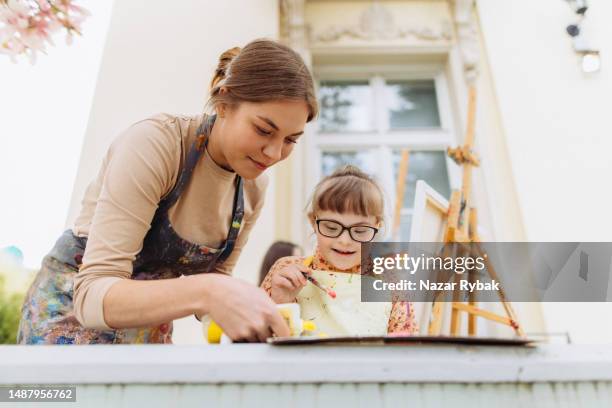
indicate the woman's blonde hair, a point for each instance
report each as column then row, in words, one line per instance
column 264, row 70
column 348, row 190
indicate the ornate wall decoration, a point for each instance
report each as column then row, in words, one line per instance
column 377, row 23
column 293, row 29
column 467, row 36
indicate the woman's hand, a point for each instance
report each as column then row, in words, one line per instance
column 244, row 312
column 288, row 282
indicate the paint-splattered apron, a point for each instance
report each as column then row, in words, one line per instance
column 47, row 312
column 346, row 315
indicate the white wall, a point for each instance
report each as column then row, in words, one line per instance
column 558, row 129
column 43, row 115
column 160, row 58
column 557, row 119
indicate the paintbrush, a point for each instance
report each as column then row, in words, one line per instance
column 307, row 262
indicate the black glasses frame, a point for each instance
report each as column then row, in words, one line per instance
column 345, row 228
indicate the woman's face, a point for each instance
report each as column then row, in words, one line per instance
column 342, row 252
column 255, row 136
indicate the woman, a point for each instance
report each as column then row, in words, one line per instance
column 176, row 195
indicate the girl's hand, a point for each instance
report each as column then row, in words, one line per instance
column 243, row 311
column 287, row 283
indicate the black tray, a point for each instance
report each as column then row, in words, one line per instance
column 400, row 340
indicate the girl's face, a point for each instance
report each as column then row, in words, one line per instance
column 255, row 136
column 342, row 252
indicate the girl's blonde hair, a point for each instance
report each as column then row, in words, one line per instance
column 348, row 190
column 264, row 70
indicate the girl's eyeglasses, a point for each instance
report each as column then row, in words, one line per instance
column 333, row 229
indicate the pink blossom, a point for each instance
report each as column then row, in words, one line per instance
column 27, row 26
column 43, row 5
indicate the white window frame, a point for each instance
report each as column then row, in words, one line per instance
column 381, row 138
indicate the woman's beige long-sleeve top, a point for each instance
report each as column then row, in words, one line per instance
column 139, row 169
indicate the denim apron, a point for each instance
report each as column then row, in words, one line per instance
column 47, row 315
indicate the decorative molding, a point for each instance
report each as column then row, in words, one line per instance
column 293, row 30
column 290, row 180
column 377, row 23
column 467, row 37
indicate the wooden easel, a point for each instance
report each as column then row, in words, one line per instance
column 461, row 227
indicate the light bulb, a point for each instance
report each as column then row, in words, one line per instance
column 591, row 62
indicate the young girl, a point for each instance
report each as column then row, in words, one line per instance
column 346, row 210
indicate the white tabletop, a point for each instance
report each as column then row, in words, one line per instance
column 260, row 363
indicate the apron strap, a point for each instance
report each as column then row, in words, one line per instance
column 193, row 156
column 237, row 216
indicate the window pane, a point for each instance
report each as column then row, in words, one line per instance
column 345, row 106
column 332, row 160
column 423, row 165
column 412, row 104
column 405, row 225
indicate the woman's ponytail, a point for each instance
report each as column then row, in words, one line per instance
column 222, row 71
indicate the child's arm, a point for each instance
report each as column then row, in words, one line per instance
column 401, row 319
column 285, row 279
